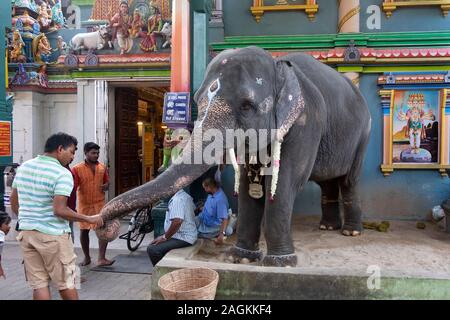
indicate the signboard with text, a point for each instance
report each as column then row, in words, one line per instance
column 176, row 108
column 5, row 138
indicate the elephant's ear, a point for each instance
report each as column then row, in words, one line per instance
column 290, row 102
column 288, row 107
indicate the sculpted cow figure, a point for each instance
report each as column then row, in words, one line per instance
column 95, row 40
column 166, row 31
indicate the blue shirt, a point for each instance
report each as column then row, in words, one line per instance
column 181, row 206
column 215, row 209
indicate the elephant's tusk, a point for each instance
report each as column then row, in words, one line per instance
column 236, row 170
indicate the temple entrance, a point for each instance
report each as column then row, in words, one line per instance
column 138, row 136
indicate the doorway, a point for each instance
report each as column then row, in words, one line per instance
column 139, row 134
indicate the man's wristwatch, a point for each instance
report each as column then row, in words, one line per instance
column 224, row 233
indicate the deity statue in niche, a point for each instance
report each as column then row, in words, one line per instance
column 415, row 116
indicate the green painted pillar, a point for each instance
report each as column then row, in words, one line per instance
column 5, row 107
column 200, row 14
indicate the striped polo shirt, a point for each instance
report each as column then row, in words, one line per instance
column 37, row 182
column 182, row 206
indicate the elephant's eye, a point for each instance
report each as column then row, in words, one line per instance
column 247, row 105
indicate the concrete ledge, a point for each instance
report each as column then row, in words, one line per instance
column 414, row 264
column 238, row 281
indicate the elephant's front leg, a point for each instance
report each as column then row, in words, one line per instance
column 277, row 227
column 294, row 173
column 249, row 223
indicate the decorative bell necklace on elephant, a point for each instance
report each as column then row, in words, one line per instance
column 255, row 188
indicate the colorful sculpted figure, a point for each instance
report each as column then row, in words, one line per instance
column 137, row 25
column 169, row 150
column 23, row 4
column 61, row 45
column 44, row 17
column 26, row 23
column 57, row 15
column 42, row 50
column 122, row 22
column 21, row 77
column 17, row 52
column 415, row 117
column 166, row 31
column 42, row 76
column 154, row 26
column 168, row 144
column 30, row 4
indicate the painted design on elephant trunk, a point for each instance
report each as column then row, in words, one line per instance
column 212, row 92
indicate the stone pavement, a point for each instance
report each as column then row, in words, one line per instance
column 98, row 285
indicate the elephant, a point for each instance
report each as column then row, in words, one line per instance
column 323, row 127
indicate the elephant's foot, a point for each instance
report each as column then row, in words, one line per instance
column 349, row 233
column 330, row 225
column 352, row 229
column 289, row 260
column 239, row 255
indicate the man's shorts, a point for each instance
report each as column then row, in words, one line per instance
column 47, row 257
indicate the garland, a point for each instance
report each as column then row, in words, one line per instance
column 236, row 170
column 276, row 167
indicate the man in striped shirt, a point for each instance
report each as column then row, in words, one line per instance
column 179, row 226
column 39, row 195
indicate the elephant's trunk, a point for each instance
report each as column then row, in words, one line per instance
column 176, row 177
column 180, row 174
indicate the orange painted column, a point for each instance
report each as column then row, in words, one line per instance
column 180, row 76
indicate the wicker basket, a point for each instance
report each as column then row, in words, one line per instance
column 189, row 284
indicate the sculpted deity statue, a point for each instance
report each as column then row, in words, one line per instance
column 122, row 23
column 26, row 23
column 42, row 50
column 44, row 17
column 136, row 26
column 17, row 52
column 61, row 45
column 154, row 26
column 57, row 15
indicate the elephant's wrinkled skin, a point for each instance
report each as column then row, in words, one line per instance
column 325, row 126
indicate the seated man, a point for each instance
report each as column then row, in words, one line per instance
column 212, row 221
column 179, row 227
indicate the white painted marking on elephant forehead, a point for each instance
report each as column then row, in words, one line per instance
column 259, row 81
column 266, row 105
column 211, row 95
